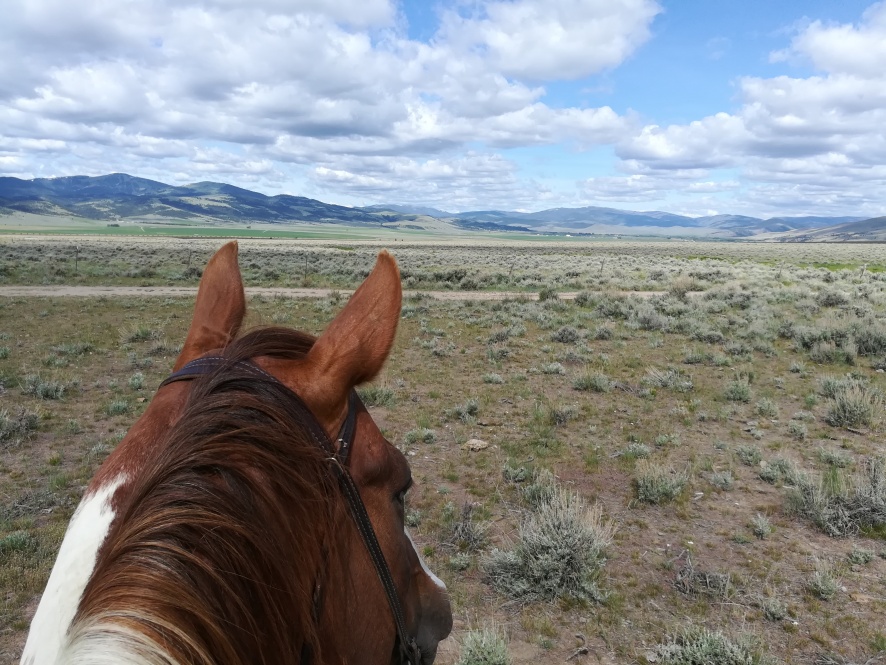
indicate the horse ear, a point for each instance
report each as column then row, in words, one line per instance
column 354, row 347
column 220, row 307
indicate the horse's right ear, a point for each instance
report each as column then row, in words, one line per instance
column 354, row 346
column 220, row 307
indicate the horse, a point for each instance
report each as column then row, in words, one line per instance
column 255, row 512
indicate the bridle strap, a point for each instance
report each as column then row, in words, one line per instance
column 201, row 367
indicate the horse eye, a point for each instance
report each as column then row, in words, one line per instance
column 401, row 496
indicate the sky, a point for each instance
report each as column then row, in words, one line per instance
column 696, row 107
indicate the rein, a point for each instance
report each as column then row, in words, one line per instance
column 408, row 649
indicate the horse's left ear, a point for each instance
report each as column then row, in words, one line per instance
column 220, row 307
column 354, row 347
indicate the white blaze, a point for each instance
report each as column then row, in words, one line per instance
column 72, row 570
column 436, row 580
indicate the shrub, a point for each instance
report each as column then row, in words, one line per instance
column 422, row 434
column 828, row 298
column 603, row 332
column 797, row 430
column 855, row 406
column 14, row 429
column 34, row 385
column 4, row 352
column 584, row 299
column 117, row 408
column 700, row 646
column 773, row 609
column 466, row 535
column 464, row 412
column 548, row 293
column 73, row 349
column 767, row 408
column 738, row 391
column 515, row 474
column 17, row 541
column 696, row 357
column 560, row 553
column 831, row 386
column 541, row 490
column 565, row 335
column 779, row 470
column 484, row 647
column 721, row 479
column 760, row 526
column 636, row 451
column 834, row 458
column 493, row 378
column 839, row 508
column 553, row 368
column 460, row 562
column 749, row 455
column 658, row 484
column 372, row 395
column 137, row 381
column 823, row 583
column 860, row 557
column 669, row 378
column 598, row 382
column 560, row 415
column 139, row 333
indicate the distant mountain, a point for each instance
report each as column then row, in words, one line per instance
column 121, row 197
column 410, row 210
column 593, row 219
column 868, row 230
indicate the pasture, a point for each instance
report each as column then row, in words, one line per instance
column 713, row 449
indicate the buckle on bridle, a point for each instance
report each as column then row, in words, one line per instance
column 409, row 652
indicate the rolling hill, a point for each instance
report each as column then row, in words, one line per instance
column 119, row 197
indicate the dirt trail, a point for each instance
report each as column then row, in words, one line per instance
column 190, row 291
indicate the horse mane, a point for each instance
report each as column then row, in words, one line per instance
column 216, row 555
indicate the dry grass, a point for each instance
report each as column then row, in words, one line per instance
column 603, row 422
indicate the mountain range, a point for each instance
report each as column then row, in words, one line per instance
column 119, row 197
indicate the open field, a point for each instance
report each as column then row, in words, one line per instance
column 732, row 438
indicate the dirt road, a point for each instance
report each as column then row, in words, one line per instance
column 190, row 291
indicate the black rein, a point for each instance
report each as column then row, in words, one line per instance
column 408, row 649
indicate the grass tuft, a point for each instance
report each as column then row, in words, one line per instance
column 658, row 484
column 700, row 646
column 487, row 646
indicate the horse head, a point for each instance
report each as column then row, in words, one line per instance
column 340, row 596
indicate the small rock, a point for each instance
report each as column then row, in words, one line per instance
column 476, row 444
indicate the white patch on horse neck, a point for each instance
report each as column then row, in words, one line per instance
column 436, row 580
column 72, row 570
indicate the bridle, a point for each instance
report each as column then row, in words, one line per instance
column 211, row 365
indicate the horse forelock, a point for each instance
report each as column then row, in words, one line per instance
column 215, row 555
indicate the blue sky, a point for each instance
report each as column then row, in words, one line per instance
column 694, row 107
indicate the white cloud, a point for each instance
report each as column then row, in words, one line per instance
column 556, row 39
column 806, row 145
column 277, row 85
column 455, row 184
column 655, row 186
column 858, row 50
